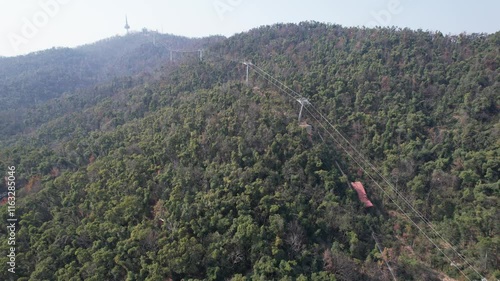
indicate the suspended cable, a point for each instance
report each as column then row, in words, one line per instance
column 293, row 94
column 398, row 193
column 387, row 194
column 377, row 244
column 381, row 253
column 296, row 95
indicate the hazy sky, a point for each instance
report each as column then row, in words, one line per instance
column 31, row 25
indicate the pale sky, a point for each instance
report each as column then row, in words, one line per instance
column 31, row 25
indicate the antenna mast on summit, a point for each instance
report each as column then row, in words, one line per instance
column 127, row 27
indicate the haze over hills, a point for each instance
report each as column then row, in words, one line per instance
column 31, row 80
column 133, row 166
column 60, row 70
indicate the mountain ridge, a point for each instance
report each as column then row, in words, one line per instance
column 189, row 173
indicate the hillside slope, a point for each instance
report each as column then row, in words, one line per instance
column 189, row 173
column 31, row 80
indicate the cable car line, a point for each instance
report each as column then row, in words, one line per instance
column 388, row 195
column 312, row 110
column 399, row 194
column 297, row 96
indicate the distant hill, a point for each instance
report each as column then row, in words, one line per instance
column 33, row 79
column 155, row 170
column 37, row 77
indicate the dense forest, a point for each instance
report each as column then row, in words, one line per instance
column 132, row 166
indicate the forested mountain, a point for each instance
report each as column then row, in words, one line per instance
column 33, row 79
column 159, row 170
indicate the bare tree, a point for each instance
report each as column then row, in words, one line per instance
column 295, row 237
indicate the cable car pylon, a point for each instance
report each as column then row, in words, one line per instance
column 303, row 102
column 248, row 64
